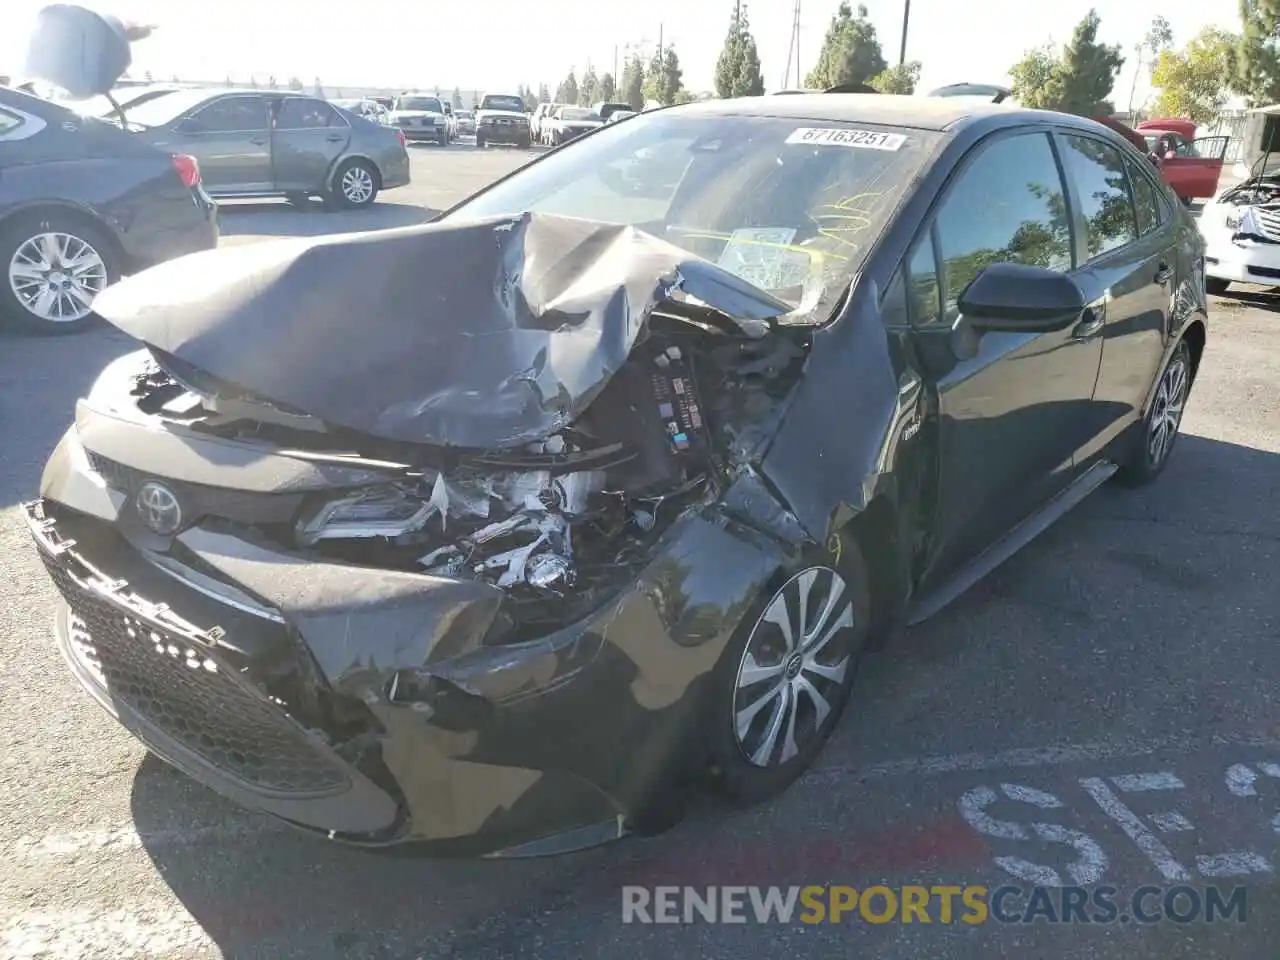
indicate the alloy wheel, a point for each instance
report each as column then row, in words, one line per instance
column 795, row 662
column 56, row 276
column 1166, row 410
column 357, row 184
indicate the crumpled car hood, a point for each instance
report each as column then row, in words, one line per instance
column 479, row 334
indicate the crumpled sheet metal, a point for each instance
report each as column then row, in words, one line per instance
column 479, row 334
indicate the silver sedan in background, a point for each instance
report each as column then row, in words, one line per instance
column 255, row 143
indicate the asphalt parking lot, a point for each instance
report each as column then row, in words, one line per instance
column 1100, row 710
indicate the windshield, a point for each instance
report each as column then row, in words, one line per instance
column 514, row 104
column 162, row 110
column 424, row 104
column 793, row 210
column 577, row 113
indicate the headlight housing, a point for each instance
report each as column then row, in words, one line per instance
column 384, row 511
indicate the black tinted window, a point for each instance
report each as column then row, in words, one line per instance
column 1098, row 171
column 232, row 114
column 300, row 113
column 925, row 307
column 1007, row 206
column 1145, row 202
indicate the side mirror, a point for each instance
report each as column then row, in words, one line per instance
column 189, row 125
column 1017, row 298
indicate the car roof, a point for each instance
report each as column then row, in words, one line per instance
column 923, row 113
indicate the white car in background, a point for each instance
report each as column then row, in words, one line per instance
column 1241, row 225
column 565, row 123
column 371, row 110
column 421, row 117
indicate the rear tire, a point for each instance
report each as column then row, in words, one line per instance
column 355, row 185
column 29, row 247
column 1216, row 286
column 1154, row 445
column 778, row 692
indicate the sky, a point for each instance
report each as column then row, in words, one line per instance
column 496, row 44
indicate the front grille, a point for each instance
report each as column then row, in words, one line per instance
column 1268, row 223
column 171, row 674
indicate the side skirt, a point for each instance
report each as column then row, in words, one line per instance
column 941, row 596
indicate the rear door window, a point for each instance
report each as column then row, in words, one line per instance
column 304, row 113
column 1098, row 172
column 1151, row 212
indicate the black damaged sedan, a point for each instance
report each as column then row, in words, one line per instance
column 494, row 534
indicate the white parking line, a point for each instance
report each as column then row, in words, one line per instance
column 151, row 931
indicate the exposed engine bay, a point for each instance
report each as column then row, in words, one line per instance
column 1256, row 214
column 561, row 518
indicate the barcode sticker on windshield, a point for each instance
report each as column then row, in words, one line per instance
column 841, row 137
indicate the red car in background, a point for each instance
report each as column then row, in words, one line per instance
column 1190, row 165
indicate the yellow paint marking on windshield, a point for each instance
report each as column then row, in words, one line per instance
column 845, row 220
column 818, row 255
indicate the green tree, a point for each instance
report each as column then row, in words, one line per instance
column 1159, row 38
column 567, row 92
column 1032, row 73
column 1079, row 80
column 738, row 68
column 530, row 98
column 544, row 95
column 318, row 88
column 632, row 89
column 1195, row 81
column 456, row 100
column 664, row 78
column 900, row 79
column 589, row 87
column 850, row 51
column 1258, row 53
column 608, row 87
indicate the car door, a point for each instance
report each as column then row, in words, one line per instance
column 1195, row 166
column 230, row 137
column 308, row 138
column 1128, row 249
column 1013, row 408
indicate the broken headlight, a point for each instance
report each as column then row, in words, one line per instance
column 377, row 512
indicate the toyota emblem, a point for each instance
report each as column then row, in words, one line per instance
column 158, row 508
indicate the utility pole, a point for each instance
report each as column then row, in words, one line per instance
column 906, row 20
column 615, row 64
column 793, row 48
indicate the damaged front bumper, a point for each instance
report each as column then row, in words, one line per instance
column 370, row 705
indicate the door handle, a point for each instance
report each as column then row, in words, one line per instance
column 1164, row 273
column 1091, row 321
column 258, row 141
column 334, row 138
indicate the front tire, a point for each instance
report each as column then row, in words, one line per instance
column 785, row 679
column 355, row 185
column 52, row 266
column 1216, row 286
column 1154, row 446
